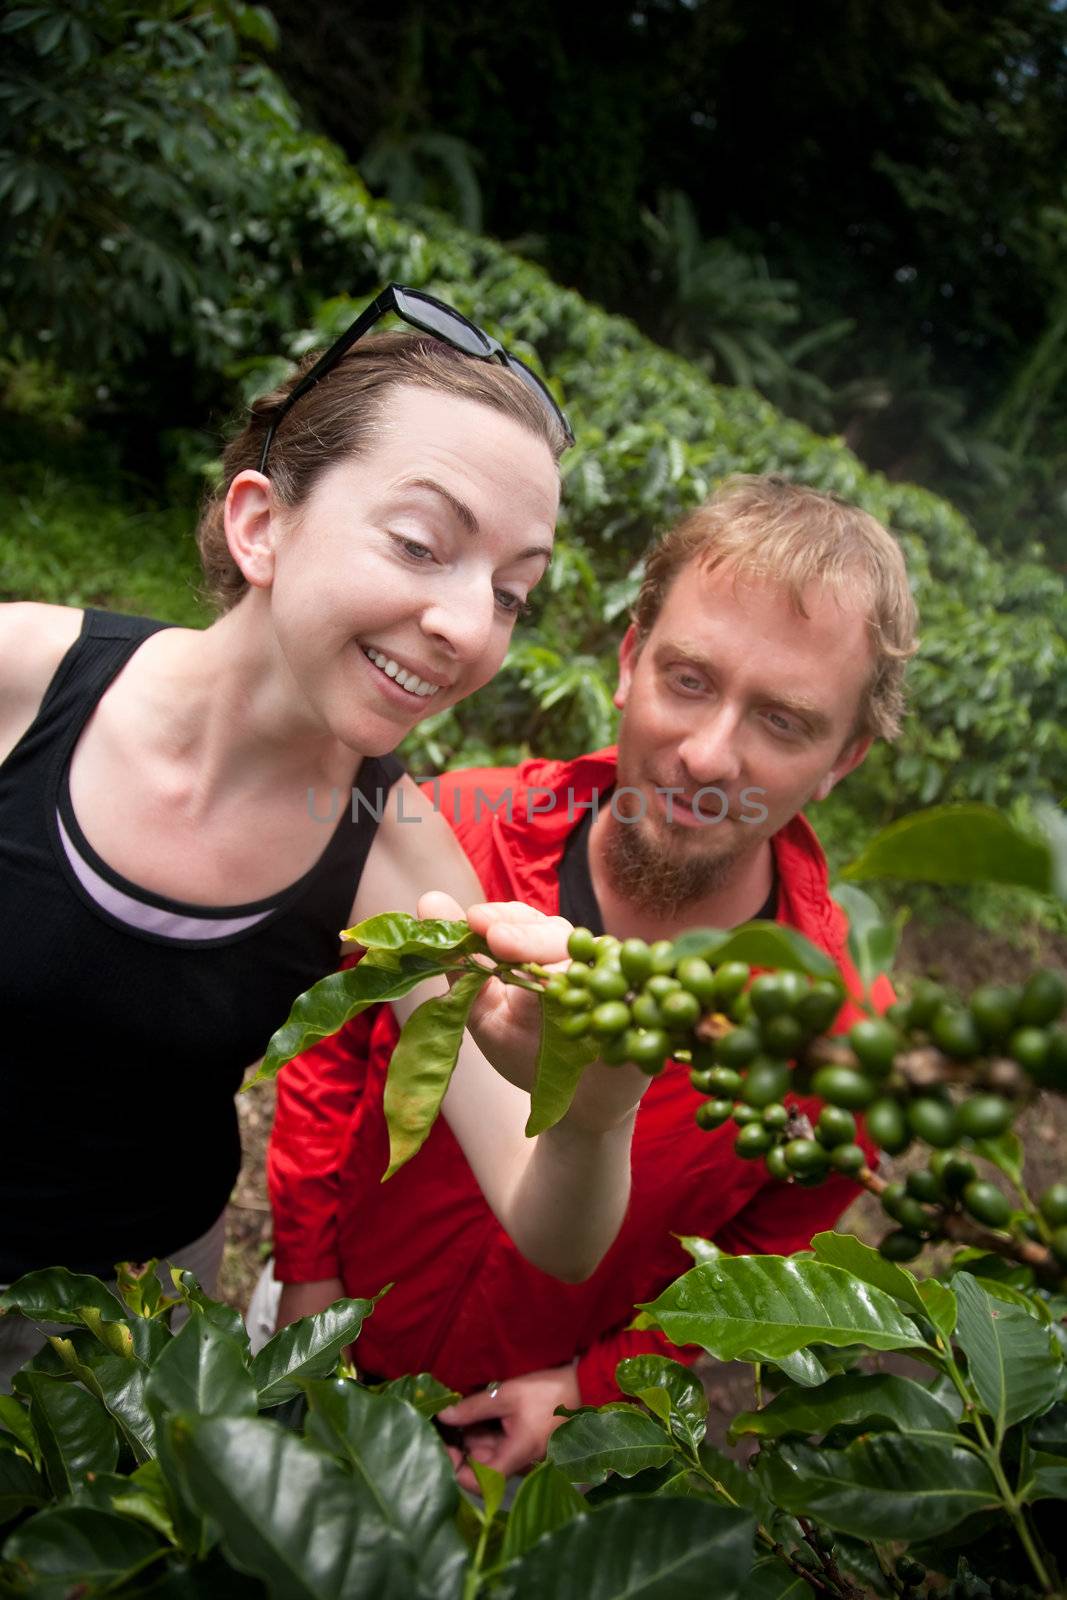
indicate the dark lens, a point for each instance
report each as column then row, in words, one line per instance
column 442, row 321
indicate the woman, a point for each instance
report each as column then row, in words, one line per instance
column 167, row 882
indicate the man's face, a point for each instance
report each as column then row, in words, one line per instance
column 734, row 692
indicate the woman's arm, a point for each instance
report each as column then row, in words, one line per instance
column 562, row 1196
column 33, row 641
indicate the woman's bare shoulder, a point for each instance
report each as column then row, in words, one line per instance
column 34, row 639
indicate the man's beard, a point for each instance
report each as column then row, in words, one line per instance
column 651, row 877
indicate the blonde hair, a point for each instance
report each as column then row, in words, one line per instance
column 770, row 530
column 338, row 417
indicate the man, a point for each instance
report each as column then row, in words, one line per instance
column 766, row 652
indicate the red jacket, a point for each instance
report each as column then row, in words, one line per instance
column 465, row 1304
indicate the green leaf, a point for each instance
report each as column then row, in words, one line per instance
column 422, row 1391
column 332, row 1002
column 1006, row 1152
column 768, row 944
column 401, row 1474
column 491, row 1486
column 872, row 942
column 560, row 1064
column 883, row 1486
column 405, row 935
column 800, row 1366
column 1046, row 1478
column 687, row 1405
column 118, row 1382
column 20, row 1486
column 288, row 1513
column 848, row 1400
column 141, row 1290
column 307, row 1348
column 638, row 1549
column 225, row 1318
column 15, row 1418
column 56, row 1295
column 545, row 1501
column 73, row 1428
column 929, row 1297
column 81, row 1545
column 1009, row 1360
column 700, row 1249
column 773, row 1305
column 771, row 1579
column 422, row 1065
column 1049, row 1432
column 201, row 1370
column 955, row 844
column 623, row 1440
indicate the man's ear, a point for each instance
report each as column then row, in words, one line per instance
column 251, row 527
column 628, row 653
column 847, row 762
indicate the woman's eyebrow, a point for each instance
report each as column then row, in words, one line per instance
column 465, row 516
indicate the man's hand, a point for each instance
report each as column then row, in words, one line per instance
column 304, row 1299
column 511, row 1430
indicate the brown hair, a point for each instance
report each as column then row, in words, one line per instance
column 766, row 528
column 338, row 418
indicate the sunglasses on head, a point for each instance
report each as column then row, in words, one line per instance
column 431, row 316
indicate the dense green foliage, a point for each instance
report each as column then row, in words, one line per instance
column 171, row 223
column 859, row 209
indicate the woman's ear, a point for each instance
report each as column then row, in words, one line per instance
column 251, row 523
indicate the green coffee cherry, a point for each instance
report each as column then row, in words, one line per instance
column 713, row 1113
column 995, row 1008
column 770, row 997
column 776, row 1116
column 840, row 1086
column 575, row 1024
column 743, row 1115
column 607, row 983
column 874, row 1042
column 649, row 1050
column 848, row 1158
column 646, row 1011
column 933, row 1120
column 835, row 1126
column 805, row 1157
column 986, row 1203
column 1053, row 1204
column 900, row 1246
column 697, row 978
column 737, row 1048
column 701, row 1080
column 660, row 985
column 581, row 946
column 724, row 1080
column 955, row 1032
column 922, row 1184
column 730, row 980
column 1043, row 999
column 765, row 1081
column 953, row 1170
column 635, row 961
column 661, row 956
column 1030, row 1048
column 817, row 1010
column 984, row 1116
column 888, row 1126
column 609, row 1018
column 681, row 1010
column 614, row 1052
column 782, row 1037
column 1058, row 1243
column 898, row 1204
column 926, row 1000
column 776, row 1164
column 753, row 1140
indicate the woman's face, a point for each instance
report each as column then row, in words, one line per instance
column 396, row 589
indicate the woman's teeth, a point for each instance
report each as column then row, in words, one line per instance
column 406, row 680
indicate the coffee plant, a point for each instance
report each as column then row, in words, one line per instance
column 146, row 1455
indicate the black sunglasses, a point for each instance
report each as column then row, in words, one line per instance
column 431, row 316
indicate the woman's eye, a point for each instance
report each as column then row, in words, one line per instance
column 513, row 604
column 417, row 551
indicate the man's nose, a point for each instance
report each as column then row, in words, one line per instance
column 711, row 751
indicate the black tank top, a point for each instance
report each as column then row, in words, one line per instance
column 121, row 1049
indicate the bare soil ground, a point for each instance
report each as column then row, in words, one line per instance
column 956, row 953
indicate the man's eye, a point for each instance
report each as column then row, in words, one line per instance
column 689, row 680
column 781, row 724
